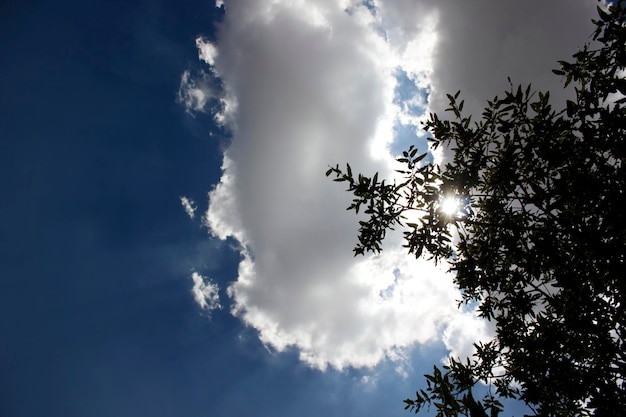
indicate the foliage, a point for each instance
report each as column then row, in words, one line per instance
column 538, row 239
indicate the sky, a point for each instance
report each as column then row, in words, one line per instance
column 169, row 244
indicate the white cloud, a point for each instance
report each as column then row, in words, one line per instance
column 463, row 331
column 480, row 43
column 205, row 292
column 207, row 52
column 343, row 313
column 307, row 85
column 189, row 206
column 194, row 93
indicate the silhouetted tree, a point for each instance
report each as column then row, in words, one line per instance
column 537, row 239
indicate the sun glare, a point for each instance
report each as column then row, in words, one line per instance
column 450, row 205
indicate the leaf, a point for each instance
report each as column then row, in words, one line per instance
column 621, row 85
column 419, row 158
column 603, row 15
column 571, row 108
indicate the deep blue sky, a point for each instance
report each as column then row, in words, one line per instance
column 96, row 314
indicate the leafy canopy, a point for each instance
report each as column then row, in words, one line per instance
column 536, row 236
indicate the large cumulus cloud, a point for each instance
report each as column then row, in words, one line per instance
column 312, row 83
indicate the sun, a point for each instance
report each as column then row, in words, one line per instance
column 450, row 205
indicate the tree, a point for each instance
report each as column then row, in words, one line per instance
column 537, row 237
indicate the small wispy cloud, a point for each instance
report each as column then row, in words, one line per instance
column 205, row 292
column 207, row 52
column 195, row 92
column 189, row 206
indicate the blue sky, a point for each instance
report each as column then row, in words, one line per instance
column 100, row 136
